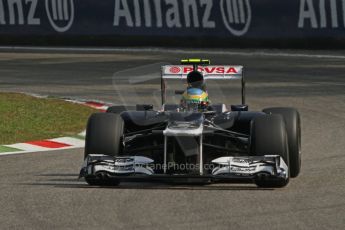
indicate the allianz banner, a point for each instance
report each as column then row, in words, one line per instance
column 175, row 18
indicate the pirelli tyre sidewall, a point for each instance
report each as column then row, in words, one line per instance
column 103, row 134
column 293, row 127
column 268, row 137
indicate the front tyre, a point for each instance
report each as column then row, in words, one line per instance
column 293, row 128
column 104, row 134
column 101, row 179
column 268, row 137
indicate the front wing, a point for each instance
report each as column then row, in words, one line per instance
column 246, row 169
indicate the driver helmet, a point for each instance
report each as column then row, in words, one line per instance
column 195, row 79
column 194, row 100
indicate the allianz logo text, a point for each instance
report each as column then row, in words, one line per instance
column 321, row 14
column 60, row 13
column 236, row 14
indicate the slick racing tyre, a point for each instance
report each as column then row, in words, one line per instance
column 104, row 134
column 293, row 129
column 268, row 137
column 101, row 179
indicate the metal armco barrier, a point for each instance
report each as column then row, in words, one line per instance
column 225, row 19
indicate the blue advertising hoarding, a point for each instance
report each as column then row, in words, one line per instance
column 249, row 19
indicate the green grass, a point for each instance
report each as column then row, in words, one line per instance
column 4, row 149
column 25, row 118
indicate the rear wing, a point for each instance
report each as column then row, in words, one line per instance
column 210, row 71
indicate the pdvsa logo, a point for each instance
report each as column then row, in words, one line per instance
column 60, row 14
column 175, row 69
column 236, row 15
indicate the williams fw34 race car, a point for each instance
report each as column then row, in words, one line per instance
column 194, row 141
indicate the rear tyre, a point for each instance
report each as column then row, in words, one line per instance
column 293, row 129
column 268, row 137
column 104, row 134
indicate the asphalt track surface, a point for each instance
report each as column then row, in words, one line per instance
column 41, row 190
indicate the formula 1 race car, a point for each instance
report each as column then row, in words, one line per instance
column 195, row 141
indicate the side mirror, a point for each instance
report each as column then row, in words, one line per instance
column 239, row 107
column 144, row 107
